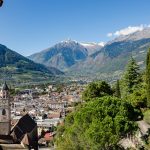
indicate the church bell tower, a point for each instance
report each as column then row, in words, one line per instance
column 5, row 113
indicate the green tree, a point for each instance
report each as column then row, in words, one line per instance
column 131, row 76
column 96, row 89
column 117, row 92
column 138, row 98
column 98, row 125
column 148, row 77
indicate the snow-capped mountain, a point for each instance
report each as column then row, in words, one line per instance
column 62, row 55
column 93, row 47
column 92, row 58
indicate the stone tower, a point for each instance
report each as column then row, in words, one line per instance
column 5, row 114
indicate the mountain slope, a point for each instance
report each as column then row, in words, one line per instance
column 93, row 47
column 62, row 55
column 115, row 54
column 108, row 59
column 15, row 63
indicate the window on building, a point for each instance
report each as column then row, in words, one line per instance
column 3, row 112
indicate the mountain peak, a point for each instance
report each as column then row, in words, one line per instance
column 69, row 40
column 62, row 55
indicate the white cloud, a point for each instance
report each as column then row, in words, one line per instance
column 101, row 44
column 128, row 30
column 110, row 34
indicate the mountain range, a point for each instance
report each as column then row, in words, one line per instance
column 77, row 58
column 66, row 54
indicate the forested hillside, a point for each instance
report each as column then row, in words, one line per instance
column 14, row 66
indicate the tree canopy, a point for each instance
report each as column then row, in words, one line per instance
column 132, row 75
column 107, row 115
column 117, row 92
column 98, row 124
column 96, row 89
column 148, row 77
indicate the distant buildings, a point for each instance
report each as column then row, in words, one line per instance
column 23, row 135
column 34, row 114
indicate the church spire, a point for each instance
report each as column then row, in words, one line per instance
column 5, row 90
column 5, row 87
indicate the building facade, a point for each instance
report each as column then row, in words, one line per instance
column 5, row 111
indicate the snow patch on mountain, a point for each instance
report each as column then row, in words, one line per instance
column 93, row 47
column 92, row 44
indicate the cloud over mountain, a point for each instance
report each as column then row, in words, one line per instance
column 127, row 31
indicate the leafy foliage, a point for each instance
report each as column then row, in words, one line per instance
column 147, row 116
column 103, row 120
column 148, row 77
column 117, row 92
column 138, row 98
column 96, row 89
column 131, row 75
column 98, row 124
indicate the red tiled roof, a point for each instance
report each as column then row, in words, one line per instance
column 48, row 137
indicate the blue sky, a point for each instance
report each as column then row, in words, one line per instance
column 29, row 26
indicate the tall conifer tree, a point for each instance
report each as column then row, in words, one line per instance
column 132, row 75
column 117, row 90
column 148, row 77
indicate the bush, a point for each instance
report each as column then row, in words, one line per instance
column 97, row 89
column 147, row 116
column 98, row 124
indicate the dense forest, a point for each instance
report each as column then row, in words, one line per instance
column 109, row 113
